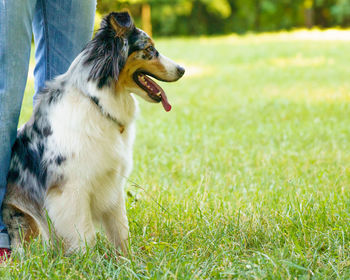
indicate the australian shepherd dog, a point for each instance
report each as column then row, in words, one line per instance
column 71, row 159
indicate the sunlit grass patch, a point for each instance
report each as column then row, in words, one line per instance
column 299, row 61
column 319, row 35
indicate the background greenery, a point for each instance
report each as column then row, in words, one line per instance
column 195, row 17
column 251, row 168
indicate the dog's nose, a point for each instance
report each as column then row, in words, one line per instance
column 180, row 70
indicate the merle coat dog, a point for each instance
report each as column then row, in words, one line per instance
column 70, row 160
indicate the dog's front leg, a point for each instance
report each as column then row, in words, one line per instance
column 116, row 224
column 70, row 214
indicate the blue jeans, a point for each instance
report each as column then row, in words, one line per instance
column 61, row 29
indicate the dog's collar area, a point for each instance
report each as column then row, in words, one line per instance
column 106, row 114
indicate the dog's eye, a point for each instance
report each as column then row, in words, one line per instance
column 151, row 49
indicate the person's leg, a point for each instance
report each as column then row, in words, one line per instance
column 61, row 30
column 15, row 41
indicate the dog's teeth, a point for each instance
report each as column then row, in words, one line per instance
column 159, row 93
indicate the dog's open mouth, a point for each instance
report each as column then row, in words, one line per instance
column 154, row 91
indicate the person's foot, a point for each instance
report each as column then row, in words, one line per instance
column 4, row 254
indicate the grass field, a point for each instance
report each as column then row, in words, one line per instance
column 247, row 177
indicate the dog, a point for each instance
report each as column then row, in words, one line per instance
column 71, row 159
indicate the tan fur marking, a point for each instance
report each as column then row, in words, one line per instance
column 55, row 189
column 33, row 230
column 134, row 63
column 34, row 216
column 119, row 30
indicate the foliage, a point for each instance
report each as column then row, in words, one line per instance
column 195, row 17
column 341, row 12
column 251, row 168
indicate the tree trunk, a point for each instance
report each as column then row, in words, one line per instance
column 257, row 15
column 309, row 13
column 146, row 18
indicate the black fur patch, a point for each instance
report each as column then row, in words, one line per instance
column 36, row 128
column 47, row 131
column 13, row 174
column 54, row 95
column 138, row 40
column 95, row 100
column 29, row 156
column 60, row 159
column 17, row 214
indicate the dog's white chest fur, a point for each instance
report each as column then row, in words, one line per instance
column 94, row 145
column 97, row 158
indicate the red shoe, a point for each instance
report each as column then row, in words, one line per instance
column 4, row 254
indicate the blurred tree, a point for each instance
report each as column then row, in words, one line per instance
column 341, row 12
column 219, row 7
column 195, row 17
column 146, row 18
column 309, row 13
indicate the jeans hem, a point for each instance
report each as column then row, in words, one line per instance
column 4, row 240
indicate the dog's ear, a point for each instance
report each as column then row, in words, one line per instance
column 108, row 51
column 121, row 23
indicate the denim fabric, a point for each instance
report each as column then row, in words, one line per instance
column 61, row 29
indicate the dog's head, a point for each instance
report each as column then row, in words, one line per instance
column 122, row 53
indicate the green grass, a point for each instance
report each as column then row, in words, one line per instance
column 251, row 169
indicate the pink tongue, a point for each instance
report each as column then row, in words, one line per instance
column 165, row 103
